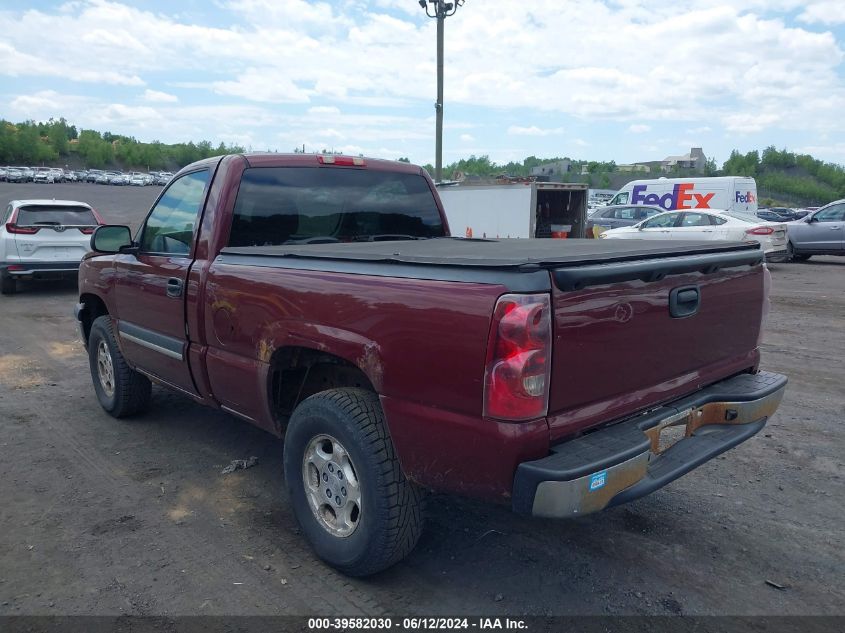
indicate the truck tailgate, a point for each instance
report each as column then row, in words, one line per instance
column 630, row 335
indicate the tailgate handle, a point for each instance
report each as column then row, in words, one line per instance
column 684, row 301
column 174, row 287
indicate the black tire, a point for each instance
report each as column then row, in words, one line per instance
column 792, row 256
column 131, row 392
column 8, row 285
column 390, row 518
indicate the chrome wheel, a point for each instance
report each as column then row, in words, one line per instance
column 105, row 368
column 331, row 486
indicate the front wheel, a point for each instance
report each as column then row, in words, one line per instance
column 120, row 389
column 356, row 508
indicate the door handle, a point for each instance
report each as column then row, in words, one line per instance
column 174, row 287
column 684, row 301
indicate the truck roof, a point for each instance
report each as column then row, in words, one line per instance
column 265, row 159
column 493, row 253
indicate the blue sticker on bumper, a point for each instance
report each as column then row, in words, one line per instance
column 598, row 480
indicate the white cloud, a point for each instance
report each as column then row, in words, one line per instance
column 639, row 128
column 747, row 66
column 159, row 97
column 45, row 104
column 324, row 110
column 824, row 12
column 747, row 123
column 533, row 130
column 15, row 63
column 466, row 138
column 262, row 85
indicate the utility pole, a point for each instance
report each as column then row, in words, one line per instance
column 439, row 10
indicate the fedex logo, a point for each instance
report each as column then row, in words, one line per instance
column 747, row 197
column 681, row 197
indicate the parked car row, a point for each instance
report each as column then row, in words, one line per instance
column 819, row 232
column 782, row 214
column 51, row 175
column 136, row 178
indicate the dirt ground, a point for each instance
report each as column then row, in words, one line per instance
column 99, row 516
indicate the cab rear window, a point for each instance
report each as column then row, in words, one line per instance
column 56, row 215
column 298, row 205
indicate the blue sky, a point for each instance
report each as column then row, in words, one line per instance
column 627, row 80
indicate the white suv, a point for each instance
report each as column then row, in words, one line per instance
column 43, row 239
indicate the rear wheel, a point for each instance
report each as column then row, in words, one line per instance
column 121, row 390
column 356, row 508
column 792, row 256
column 8, row 285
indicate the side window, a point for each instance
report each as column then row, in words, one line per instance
column 661, row 221
column 621, row 198
column 695, row 219
column 628, row 213
column 834, row 213
column 717, row 221
column 170, row 225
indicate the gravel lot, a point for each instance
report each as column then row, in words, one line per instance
column 107, row 517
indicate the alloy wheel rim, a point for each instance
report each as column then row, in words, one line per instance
column 332, row 486
column 105, row 368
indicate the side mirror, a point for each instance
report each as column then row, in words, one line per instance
column 111, row 239
column 811, row 219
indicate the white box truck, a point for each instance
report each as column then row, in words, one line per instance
column 521, row 210
column 729, row 193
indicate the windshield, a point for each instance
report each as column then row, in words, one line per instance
column 286, row 205
column 58, row 215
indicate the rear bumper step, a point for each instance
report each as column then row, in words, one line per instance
column 23, row 269
column 631, row 459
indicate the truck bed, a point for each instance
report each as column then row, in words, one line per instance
column 494, row 253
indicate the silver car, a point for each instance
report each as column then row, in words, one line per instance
column 820, row 233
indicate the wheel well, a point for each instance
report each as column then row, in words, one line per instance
column 94, row 308
column 299, row 372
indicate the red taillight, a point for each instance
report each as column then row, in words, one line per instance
column 22, row 230
column 88, row 230
column 97, row 216
column 760, row 230
column 343, row 161
column 516, row 374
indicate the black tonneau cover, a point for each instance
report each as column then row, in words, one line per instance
column 495, row 253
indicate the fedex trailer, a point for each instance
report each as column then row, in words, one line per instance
column 516, row 210
column 730, row 193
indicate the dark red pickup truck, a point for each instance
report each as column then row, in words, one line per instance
column 320, row 298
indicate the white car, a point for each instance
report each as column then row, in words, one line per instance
column 44, row 175
column 43, row 239
column 708, row 225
